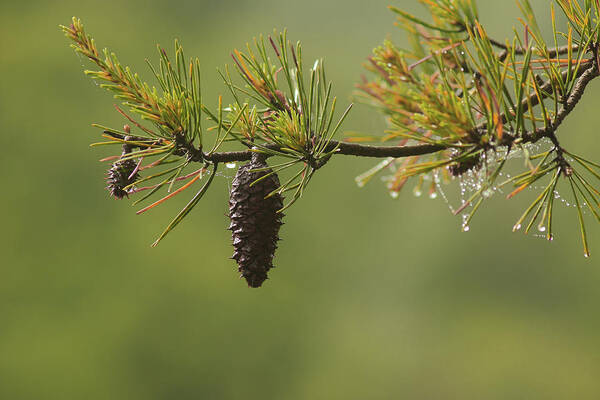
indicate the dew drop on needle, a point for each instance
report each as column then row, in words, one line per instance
column 517, row 227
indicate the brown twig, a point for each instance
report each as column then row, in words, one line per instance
column 553, row 52
column 585, row 77
column 343, row 148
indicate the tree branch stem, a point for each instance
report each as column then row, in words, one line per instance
column 552, row 52
column 568, row 106
column 348, row 149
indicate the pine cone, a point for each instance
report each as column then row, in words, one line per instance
column 255, row 221
column 462, row 167
column 118, row 177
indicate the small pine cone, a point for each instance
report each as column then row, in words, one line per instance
column 255, row 221
column 462, row 167
column 119, row 177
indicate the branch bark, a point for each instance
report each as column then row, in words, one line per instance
column 553, row 52
column 585, row 78
column 348, row 149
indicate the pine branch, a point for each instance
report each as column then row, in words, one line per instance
column 347, row 149
column 585, row 77
column 552, row 52
column 340, row 148
column 456, row 106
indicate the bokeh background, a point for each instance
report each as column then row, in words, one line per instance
column 374, row 298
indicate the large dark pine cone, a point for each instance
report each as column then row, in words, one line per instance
column 255, row 221
column 119, row 177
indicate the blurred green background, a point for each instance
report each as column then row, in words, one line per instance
column 374, row 298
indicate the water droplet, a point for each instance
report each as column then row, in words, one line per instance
column 417, row 192
column 542, row 228
column 466, row 228
column 230, row 165
column 517, row 227
column 586, row 254
column 551, row 238
column 433, row 195
column 394, row 194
